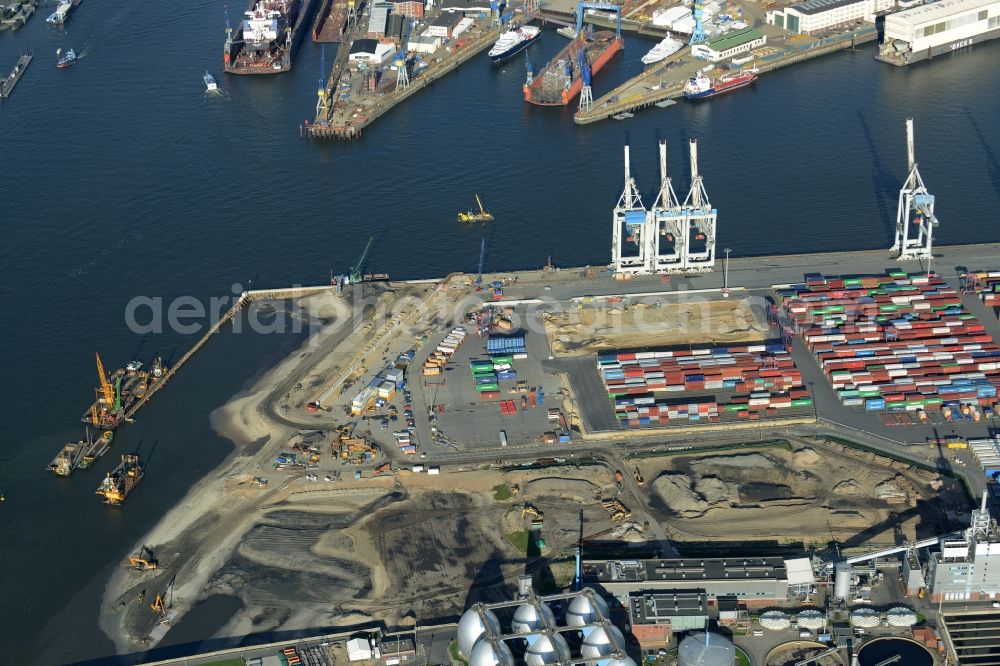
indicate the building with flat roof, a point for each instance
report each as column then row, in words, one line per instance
column 967, row 568
column 729, row 45
column 378, row 19
column 815, row 16
column 656, row 616
column 938, row 27
column 443, row 25
column 751, row 579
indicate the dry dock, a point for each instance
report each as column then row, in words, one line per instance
column 665, row 81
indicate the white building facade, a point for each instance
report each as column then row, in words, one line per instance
column 818, row 15
column 939, row 27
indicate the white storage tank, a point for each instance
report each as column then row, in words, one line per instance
column 485, row 654
column 600, row 642
column 471, row 629
column 545, row 649
column 528, row 617
column 706, row 649
column 842, row 581
column 581, row 611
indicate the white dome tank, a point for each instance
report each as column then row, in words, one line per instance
column 864, row 617
column 580, row 611
column 527, row 618
column 484, row 654
column 811, row 619
column 544, row 650
column 600, row 642
column 470, row 629
column 901, row 616
column 627, row 661
column 775, row 620
column 706, row 649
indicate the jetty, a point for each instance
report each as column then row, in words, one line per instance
column 8, row 82
column 665, row 81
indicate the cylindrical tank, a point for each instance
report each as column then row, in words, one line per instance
column 528, row 618
column 545, row 649
column 485, row 654
column 627, row 661
column 581, row 611
column 600, row 642
column 706, row 649
column 842, row 581
column 471, row 628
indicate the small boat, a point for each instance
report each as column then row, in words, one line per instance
column 665, row 103
column 58, row 17
column 66, row 60
column 568, row 32
column 666, row 48
column 482, row 215
column 625, row 115
column 210, row 84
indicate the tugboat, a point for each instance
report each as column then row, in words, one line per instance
column 67, row 60
column 121, row 481
column 482, row 215
column 702, row 87
column 210, row 84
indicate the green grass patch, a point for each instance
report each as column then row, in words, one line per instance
column 455, row 656
column 519, row 540
column 501, row 492
column 741, row 658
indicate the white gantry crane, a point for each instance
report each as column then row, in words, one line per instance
column 700, row 222
column 629, row 219
column 915, row 220
column 667, row 240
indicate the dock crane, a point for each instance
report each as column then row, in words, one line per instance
column 482, row 255
column 402, row 75
column 356, row 275
column 321, row 101
column 586, row 93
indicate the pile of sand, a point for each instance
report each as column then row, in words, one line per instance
column 691, row 498
column 847, row 487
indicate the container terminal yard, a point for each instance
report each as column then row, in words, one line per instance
column 820, row 428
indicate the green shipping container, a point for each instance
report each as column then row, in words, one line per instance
column 487, row 387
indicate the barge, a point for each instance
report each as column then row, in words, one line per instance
column 121, row 481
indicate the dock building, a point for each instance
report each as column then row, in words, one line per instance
column 371, row 51
column 467, row 7
column 815, row 16
column 655, row 617
column 379, row 19
column 729, row 45
column 940, row 27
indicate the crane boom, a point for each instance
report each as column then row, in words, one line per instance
column 106, row 390
column 356, row 269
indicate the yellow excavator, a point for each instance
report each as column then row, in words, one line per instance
column 530, row 510
column 482, row 215
column 140, row 563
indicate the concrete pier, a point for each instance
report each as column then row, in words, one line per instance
column 7, row 84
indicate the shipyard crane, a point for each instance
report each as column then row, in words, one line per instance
column 629, row 220
column 530, row 78
column 482, row 255
column 698, row 35
column 701, row 220
column 402, row 75
column 666, row 237
column 586, row 93
column 107, row 391
column 600, row 6
column 356, row 275
column 322, row 107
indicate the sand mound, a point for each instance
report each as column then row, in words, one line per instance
column 577, row 489
column 689, row 498
column 741, row 460
column 848, row 487
column 805, row 458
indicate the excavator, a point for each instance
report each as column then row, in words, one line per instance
column 158, row 608
column 140, row 563
column 530, row 510
column 482, row 215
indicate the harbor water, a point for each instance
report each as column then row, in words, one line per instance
column 124, row 180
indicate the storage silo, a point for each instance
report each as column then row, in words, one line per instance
column 842, row 581
column 528, row 617
column 625, row 661
column 601, row 641
column 545, row 649
column 486, row 654
column 471, row 629
column 582, row 611
column 706, row 649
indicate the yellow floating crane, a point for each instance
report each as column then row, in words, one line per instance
column 482, row 215
column 107, row 391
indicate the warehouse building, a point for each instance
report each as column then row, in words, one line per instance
column 443, row 26
column 815, row 16
column 374, row 53
column 729, row 45
column 938, row 27
column 751, row 580
column 378, row 19
column 968, row 568
column 655, row 617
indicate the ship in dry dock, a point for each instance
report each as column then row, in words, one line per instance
column 268, row 37
column 121, row 481
column 562, row 79
column 331, row 19
column 119, row 391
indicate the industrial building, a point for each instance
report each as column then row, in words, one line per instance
column 938, row 27
column 729, row 45
column 656, row 616
column 371, row 51
column 751, row 580
column 967, row 568
column 538, row 635
column 379, row 19
column 444, row 26
column 815, row 16
column 467, row 7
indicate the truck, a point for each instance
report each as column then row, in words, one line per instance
column 503, row 438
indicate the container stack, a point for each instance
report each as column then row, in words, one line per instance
column 986, row 451
column 987, row 287
column 434, row 365
column 647, row 387
column 897, row 342
column 506, row 344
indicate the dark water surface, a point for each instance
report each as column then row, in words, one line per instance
column 122, row 179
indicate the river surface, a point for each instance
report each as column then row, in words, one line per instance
column 123, row 180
